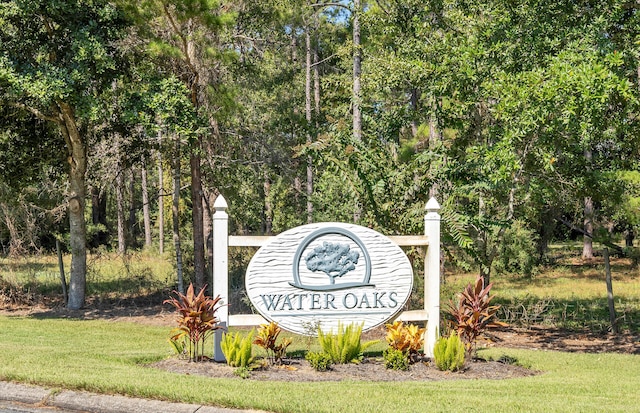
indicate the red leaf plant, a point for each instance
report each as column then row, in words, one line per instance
column 196, row 319
column 474, row 314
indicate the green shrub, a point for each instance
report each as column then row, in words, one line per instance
column 449, row 353
column 318, row 360
column 237, row 349
column 517, row 253
column 395, row 359
column 345, row 346
column 243, row 372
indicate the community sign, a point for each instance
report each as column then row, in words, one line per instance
column 328, row 273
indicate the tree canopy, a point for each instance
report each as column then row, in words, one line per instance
column 519, row 117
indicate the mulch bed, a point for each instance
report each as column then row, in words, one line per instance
column 299, row 370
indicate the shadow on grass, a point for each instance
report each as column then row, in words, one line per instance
column 576, row 315
column 25, row 271
column 146, row 306
column 559, row 339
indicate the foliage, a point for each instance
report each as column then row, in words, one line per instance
column 449, row 353
column 409, row 339
column 473, row 314
column 395, row 359
column 318, row 360
column 267, row 339
column 179, row 345
column 517, row 254
column 237, row 349
column 345, row 346
column 487, row 106
column 242, row 372
column 196, row 319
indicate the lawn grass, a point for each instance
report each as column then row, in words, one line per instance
column 132, row 274
column 109, row 357
column 571, row 294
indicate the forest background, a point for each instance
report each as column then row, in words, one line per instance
column 121, row 121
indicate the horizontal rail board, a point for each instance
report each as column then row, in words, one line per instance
column 248, row 240
column 252, row 320
column 260, row 240
column 413, row 315
column 409, row 240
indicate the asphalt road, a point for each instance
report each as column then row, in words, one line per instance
column 15, row 407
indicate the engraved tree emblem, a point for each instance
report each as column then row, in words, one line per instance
column 335, row 260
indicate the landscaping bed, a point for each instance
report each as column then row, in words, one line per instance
column 370, row 369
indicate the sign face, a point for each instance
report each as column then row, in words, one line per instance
column 325, row 273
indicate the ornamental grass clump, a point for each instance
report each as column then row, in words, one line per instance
column 449, row 353
column 196, row 320
column 345, row 346
column 473, row 314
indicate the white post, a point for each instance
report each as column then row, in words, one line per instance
column 432, row 275
column 220, row 270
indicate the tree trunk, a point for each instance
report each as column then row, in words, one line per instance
column 175, row 210
column 297, row 190
column 629, row 236
column 307, row 111
column 99, row 215
column 587, row 245
column 197, row 216
column 132, row 221
column 122, row 241
column 160, row 200
column 268, row 209
column 357, row 70
column 610, row 301
column 356, row 94
column 77, row 192
column 316, row 81
column 146, row 214
column 415, row 98
column 208, row 199
column 15, row 240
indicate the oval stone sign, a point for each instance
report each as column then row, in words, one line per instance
column 325, row 273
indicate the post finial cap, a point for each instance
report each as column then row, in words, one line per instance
column 220, row 203
column 432, row 205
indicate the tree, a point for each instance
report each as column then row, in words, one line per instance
column 185, row 36
column 56, row 59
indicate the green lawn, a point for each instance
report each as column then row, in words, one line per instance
column 109, row 357
column 570, row 294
